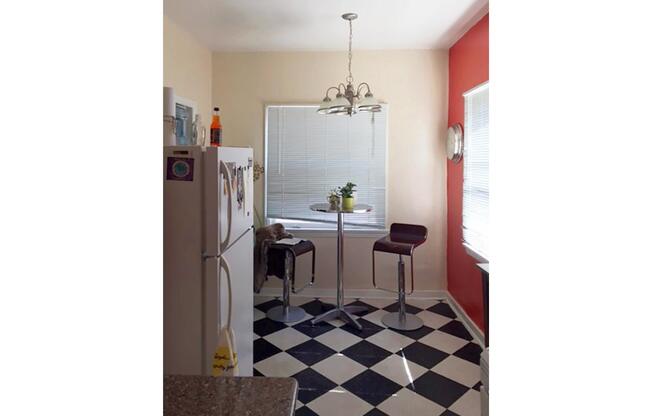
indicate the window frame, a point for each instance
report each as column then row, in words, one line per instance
column 468, row 247
column 321, row 231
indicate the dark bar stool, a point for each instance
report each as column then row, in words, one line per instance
column 402, row 240
column 282, row 260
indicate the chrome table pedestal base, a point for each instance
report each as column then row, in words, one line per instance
column 345, row 313
column 287, row 314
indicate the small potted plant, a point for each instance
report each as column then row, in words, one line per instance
column 334, row 200
column 347, row 196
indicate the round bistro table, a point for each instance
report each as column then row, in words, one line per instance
column 345, row 313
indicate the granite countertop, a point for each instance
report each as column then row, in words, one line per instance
column 226, row 396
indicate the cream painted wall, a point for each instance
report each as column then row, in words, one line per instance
column 187, row 67
column 413, row 82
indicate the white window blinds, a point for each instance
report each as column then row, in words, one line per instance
column 475, row 198
column 308, row 154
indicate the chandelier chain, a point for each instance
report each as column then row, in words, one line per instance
column 350, row 77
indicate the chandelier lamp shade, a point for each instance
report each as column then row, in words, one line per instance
column 348, row 98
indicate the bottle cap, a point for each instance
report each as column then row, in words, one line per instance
column 216, row 109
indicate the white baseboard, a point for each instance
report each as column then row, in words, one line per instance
column 475, row 331
column 314, row 292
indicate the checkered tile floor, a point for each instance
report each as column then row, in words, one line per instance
column 377, row 371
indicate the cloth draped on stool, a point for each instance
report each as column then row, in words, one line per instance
column 264, row 237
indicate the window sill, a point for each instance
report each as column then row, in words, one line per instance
column 475, row 254
column 321, row 233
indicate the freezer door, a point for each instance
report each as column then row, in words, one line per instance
column 228, row 196
column 239, row 259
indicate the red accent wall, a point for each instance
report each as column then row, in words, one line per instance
column 468, row 66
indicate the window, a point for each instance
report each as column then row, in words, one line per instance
column 308, row 154
column 475, row 196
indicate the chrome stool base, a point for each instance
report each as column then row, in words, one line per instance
column 408, row 323
column 280, row 314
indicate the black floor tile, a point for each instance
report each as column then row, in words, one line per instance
column 265, row 306
column 416, row 334
column 366, row 353
column 370, row 308
column 456, row 328
column 372, row 387
column 258, row 373
column 311, row 330
column 316, row 307
column 264, row 349
column 477, row 386
column 312, row 385
column 368, row 328
column 266, row 326
column 422, row 354
column 311, row 352
column 304, row 411
column 449, row 413
column 444, row 309
column 438, row 388
column 375, row 412
column 470, row 352
column 408, row 308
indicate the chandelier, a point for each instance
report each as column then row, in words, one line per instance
column 348, row 99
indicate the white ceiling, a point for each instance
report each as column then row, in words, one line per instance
column 286, row 25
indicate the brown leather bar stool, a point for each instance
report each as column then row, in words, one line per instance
column 282, row 262
column 402, row 240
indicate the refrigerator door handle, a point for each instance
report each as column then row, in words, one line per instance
column 224, row 170
column 225, row 266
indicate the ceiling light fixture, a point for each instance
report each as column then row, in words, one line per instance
column 347, row 99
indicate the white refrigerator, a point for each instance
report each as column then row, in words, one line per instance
column 207, row 235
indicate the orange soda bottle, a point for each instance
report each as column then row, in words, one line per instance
column 216, row 128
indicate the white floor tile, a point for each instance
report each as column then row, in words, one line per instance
column 376, row 317
column 287, row 338
column 407, row 402
column 459, row 370
column 467, row 405
column 443, row 341
column 339, row 402
column 399, row 370
column 433, row 320
column 258, row 314
column 422, row 303
column 280, row 365
column 339, row 368
column 390, row 340
column 338, row 339
column 379, row 303
column 336, row 322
